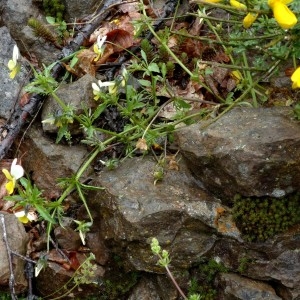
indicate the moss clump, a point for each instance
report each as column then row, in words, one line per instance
column 203, row 278
column 261, row 218
column 54, row 8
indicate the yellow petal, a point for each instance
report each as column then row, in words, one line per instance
column 11, row 64
column 296, row 79
column 10, row 186
column 14, row 71
column 283, row 15
column 238, row 5
column 7, row 174
column 249, row 20
column 23, row 219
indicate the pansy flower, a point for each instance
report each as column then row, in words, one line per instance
column 99, row 46
column 13, row 64
column 98, row 88
column 26, row 217
column 16, row 172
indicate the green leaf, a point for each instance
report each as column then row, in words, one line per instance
column 153, row 67
column 44, row 213
column 144, row 56
column 50, row 20
column 144, row 82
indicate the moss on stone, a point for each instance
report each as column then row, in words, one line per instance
column 261, row 218
column 54, row 8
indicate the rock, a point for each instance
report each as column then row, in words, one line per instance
column 78, row 95
column 76, row 9
column 47, row 161
column 252, row 152
column 15, row 14
column 17, row 239
column 67, row 238
column 131, row 210
column 154, row 288
column 9, row 88
column 60, row 277
column 241, row 288
column 95, row 243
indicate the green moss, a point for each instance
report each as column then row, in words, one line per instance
column 54, row 8
column 261, row 218
column 202, row 282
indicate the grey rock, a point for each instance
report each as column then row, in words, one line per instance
column 253, row 152
column 241, row 288
column 9, row 88
column 17, row 239
column 67, row 238
column 78, row 95
column 47, row 161
column 76, row 9
column 15, row 16
column 158, row 287
column 131, row 210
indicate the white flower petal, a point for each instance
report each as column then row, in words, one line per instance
column 101, row 41
column 106, row 83
column 95, row 87
column 16, row 171
column 16, row 53
column 20, row 213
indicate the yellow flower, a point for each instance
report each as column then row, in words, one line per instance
column 282, row 14
column 13, row 64
column 296, row 79
column 249, row 20
column 16, row 172
column 238, row 5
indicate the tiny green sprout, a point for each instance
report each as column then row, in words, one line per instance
column 158, row 175
column 83, row 227
column 155, row 248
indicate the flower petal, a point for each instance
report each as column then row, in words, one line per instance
column 95, row 87
column 238, row 5
column 16, row 171
column 7, row 174
column 10, row 186
column 283, row 15
column 249, row 20
column 295, row 79
column 16, row 53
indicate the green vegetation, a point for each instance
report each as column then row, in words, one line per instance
column 262, row 218
column 203, row 277
column 157, row 78
column 54, row 8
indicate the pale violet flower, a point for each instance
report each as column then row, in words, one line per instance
column 16, row 172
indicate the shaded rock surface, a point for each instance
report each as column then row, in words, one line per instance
column 237, row 287
column 131, row 210
column 47, row 161
column 17, row 239
column 186, row 220
column 9, row 88
column 252, row 152
column 78, row 95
